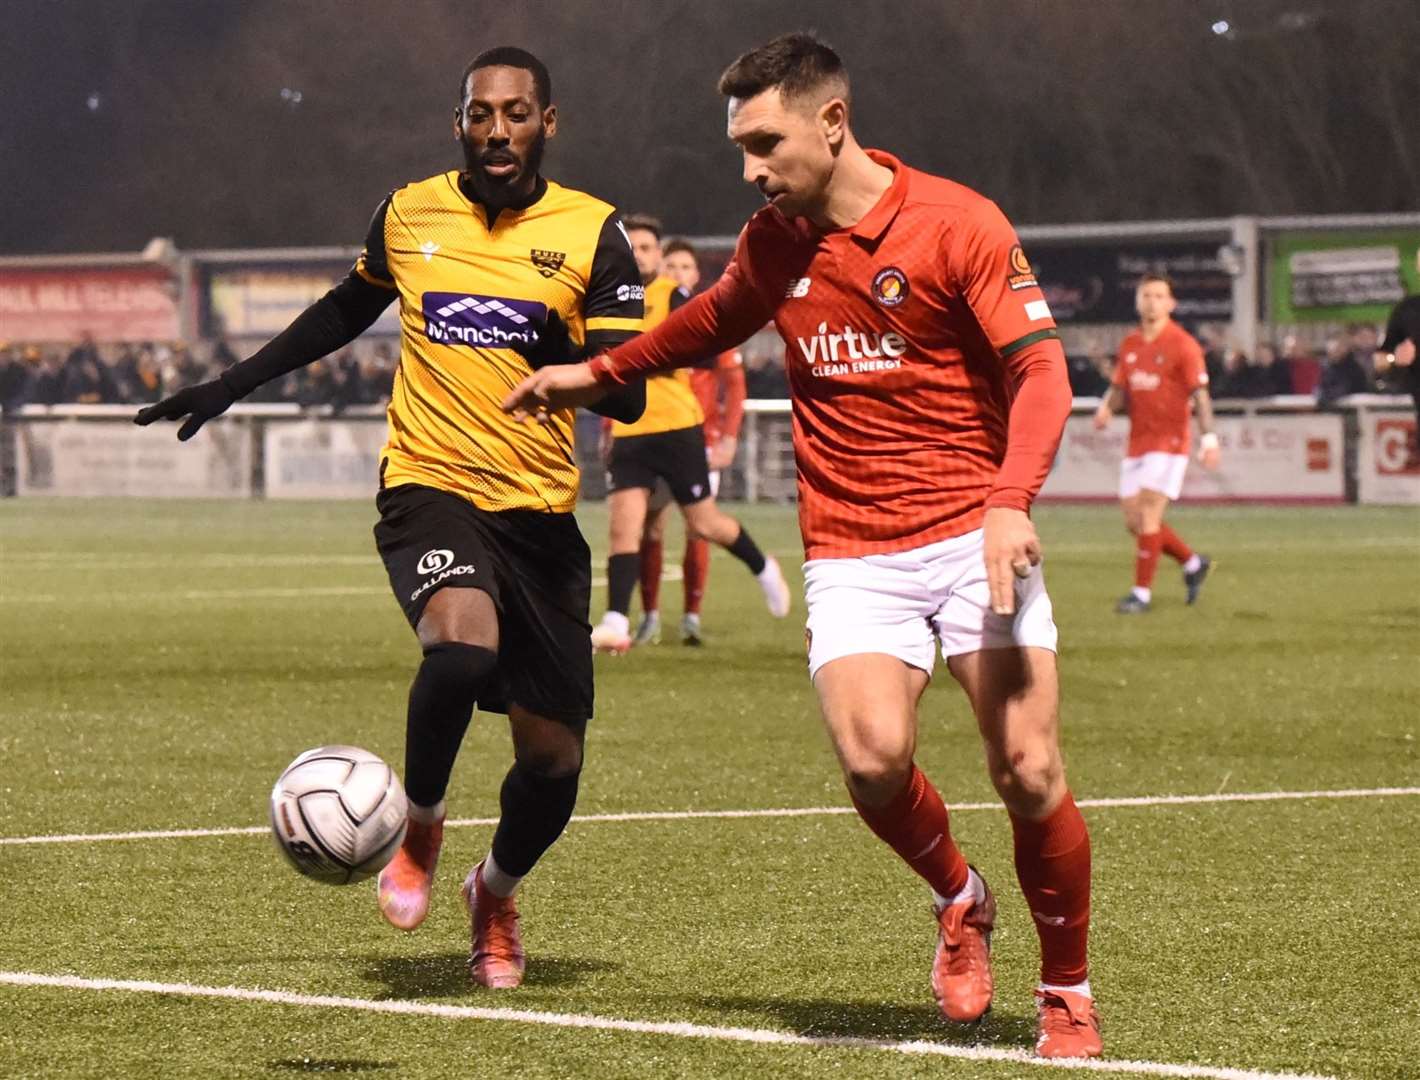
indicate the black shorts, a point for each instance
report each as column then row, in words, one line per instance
column 536, row 568
column 677, row 457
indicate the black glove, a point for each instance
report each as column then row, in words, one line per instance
column 198, row 403
column 554, row 345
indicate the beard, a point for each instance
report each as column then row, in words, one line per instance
column 495, row 190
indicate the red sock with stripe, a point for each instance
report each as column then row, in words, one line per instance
column 697, row 569
column 1174, row 546
column 914, row 824
column 652, row 554
column 1053, row 867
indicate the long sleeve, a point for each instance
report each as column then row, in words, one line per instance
column 1036, row 423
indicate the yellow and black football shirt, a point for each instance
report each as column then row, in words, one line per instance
column 470, row 289
column 670, row 402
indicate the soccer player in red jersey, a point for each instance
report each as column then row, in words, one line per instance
column 929, row 395
column 719, row 386
column 1160, row 368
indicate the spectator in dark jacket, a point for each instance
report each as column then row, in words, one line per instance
column 1270, row 373
column 47, row 387
column 1341, row 375
column 87, row 379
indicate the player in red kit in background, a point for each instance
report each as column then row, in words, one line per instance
column 719, row 386
column 929, row 395
column 1160, row 370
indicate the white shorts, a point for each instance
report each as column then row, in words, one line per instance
column 904, row 603
column 1154, row 471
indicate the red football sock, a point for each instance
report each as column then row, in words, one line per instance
column 914, row 824
column 1174, row 546
column 1053, row 867
column 697, row 571
column 1146, row 561
column 651, row 553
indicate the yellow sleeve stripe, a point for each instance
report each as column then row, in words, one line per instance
column 360, row 269
column 611, row 322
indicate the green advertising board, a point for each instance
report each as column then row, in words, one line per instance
column 1341, row 276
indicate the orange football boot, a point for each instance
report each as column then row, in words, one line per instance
column 1067, row 1025
column 496, row 960
column 961, row 970
column 405, row 883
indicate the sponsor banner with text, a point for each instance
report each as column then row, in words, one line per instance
column 113, row 304
column 1095, row 283
column 90, row 458
column 323, row 459
column 1387, row 460
column 1281, row 458
column 261, row 303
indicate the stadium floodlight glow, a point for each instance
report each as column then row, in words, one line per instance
column 93, row 101
column 1221, row 27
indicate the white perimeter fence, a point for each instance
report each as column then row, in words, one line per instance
column 1274, row 450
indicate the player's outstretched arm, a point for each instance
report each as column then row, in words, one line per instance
column 1209, row 453
column 556, row 347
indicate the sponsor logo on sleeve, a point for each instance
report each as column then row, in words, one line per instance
column 547, row 262
column 626, row 293
column 497, row 322
column 1019, row 273
column 890, row 286
column 1037, row 310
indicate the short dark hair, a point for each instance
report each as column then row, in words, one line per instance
column 670, row 247
column 1148, row 278
column 514, row 57
column 795, row 64
column 648, row 222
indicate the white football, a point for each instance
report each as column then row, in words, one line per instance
column 338, row 814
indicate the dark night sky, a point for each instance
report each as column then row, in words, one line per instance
column 122, row 121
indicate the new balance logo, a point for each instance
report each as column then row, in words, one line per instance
column 798, row 288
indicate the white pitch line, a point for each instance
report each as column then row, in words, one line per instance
column 678, row 1029
column 781, row 812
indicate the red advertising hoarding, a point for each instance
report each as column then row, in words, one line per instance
column 128, row 304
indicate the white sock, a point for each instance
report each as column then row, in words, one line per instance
column 617, row 621
column 652, row 614
column 1078, row 988
column 974, row 890
column 496, row 881
column 426, row 815
column 1143, row 594
column 1193, row 564
column 770, row 571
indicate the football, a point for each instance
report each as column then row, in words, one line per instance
column 338, row 814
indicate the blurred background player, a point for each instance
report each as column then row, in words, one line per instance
column 1160, row 372
column 668, row 444
column 476, row 526
column 930, row 393
column 1395, row 358
column 719, row 386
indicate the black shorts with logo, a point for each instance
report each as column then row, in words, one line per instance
column 536, row 568
column 677, row 457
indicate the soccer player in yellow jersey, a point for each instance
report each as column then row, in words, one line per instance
column 667, row 443
column 496, row 270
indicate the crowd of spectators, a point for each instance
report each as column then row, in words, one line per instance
column 1345, row 366
column 140, row 373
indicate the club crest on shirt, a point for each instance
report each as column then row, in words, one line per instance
column 890, row 286
column 1020, row 275
column 547, row 262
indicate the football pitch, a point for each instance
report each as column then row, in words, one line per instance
column 1249, row 769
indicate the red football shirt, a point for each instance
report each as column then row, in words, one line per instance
column 720, row 389
column 914, row 340
column 1160, row 376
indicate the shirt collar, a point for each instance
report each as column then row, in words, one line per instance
column 466, row 190
column 876, row 220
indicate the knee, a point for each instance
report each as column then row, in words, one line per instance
column 1028, row 779
column 551, row 758
column 457, row 668
column 875, row 772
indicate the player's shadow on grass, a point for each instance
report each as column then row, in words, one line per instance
column 829, row 1018
column 446, row 975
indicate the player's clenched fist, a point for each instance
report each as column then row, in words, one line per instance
column 1010, row 548
column 563, row 386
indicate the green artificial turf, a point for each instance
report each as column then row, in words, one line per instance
column 162, row 661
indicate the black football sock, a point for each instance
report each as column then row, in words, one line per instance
column 535, row 811
column 747, row 551
column 622, row 573
column 440, row 706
